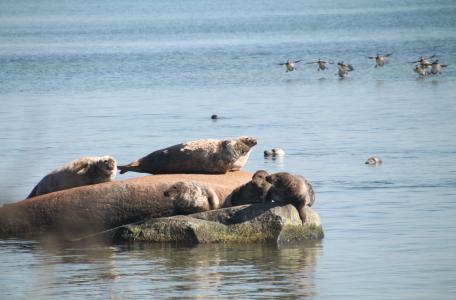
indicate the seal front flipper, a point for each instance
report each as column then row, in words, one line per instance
column 134, row 166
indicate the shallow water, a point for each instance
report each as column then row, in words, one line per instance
column 125, row 79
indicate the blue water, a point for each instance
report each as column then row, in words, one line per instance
column 125, row 78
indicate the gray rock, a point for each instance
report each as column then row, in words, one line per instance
column 239, row 224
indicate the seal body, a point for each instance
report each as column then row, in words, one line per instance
column 373, row 161
column 291, row 189
column 84, row 171
column 202, row 156
column 191, row 197
column 254, row 191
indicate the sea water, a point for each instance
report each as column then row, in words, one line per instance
column 126, row 78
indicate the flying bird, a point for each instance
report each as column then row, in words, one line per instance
column 322, row 64
column 343, row 69
column 290, row 65
column 380, row 59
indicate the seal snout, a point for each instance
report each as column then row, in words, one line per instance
column 269, row 179
column 166, row 194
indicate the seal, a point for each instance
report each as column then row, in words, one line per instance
column 191, row 197
column 84, row 171
column 291, row 189
column 94, row 208
column 254, row 191
column 373, row 161
column 201, row 157
column 274, row 152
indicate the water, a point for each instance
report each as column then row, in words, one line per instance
column 126, row 78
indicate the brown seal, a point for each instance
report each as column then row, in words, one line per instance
column 294, row 189
column 84, row 171
column 202, row 157
column 254, row 191
column 191, row 197
column 94, row 208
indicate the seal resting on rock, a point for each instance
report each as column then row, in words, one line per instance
column 254, row 191
column 191, row 197
column 98, row 207
column 84, row 171
column 291, row 189
column 202, row 157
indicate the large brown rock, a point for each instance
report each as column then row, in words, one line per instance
column 90, row 209
column 239, row 224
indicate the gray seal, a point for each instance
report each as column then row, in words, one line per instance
column 291, row 189
column 373, row 161
column 191, row 197
column 84, row 171
column 202, row 157
column 254, row 191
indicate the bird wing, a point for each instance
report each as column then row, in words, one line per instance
column 371, row 57
column 388, row 54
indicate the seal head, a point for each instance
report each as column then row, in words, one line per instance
column 254, row 191
column 291, row 189
column 191, row 197
column 84, row 171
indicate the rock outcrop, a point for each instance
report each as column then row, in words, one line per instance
column 239, row 224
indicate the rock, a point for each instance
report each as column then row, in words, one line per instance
column 90, row 209
column 239, row 224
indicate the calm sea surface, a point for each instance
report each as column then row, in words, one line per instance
column 128, row 77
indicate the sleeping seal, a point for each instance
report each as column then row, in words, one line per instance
column 202, row 156
column 291, row 189
column 191, row 197
column 83, row 171
column 254, row 191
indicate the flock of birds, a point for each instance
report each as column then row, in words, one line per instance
column 423, row 66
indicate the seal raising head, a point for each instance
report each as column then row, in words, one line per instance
column 201, row 156
column 83, row 171
column 274, row 152
column 254, row 191
column 373, row 161
column 191, row 197
column 291, row 189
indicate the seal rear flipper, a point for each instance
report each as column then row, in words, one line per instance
column 134, row 166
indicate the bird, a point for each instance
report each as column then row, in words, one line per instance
column 290, row 65
column 380, row 59
column 343, row 69
column 423, row 61
column 421, row 70
column 436, row 67
column 321, row 64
